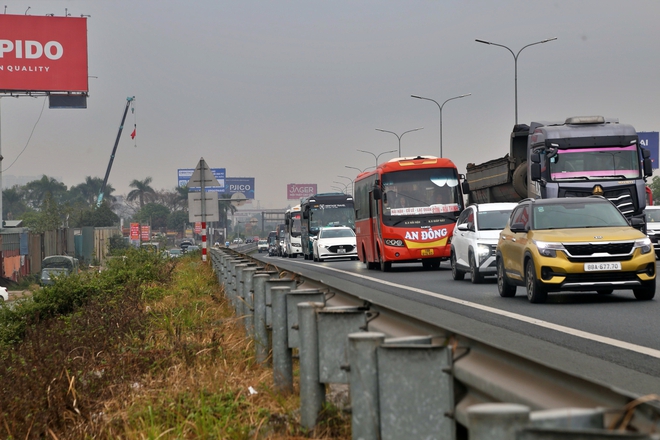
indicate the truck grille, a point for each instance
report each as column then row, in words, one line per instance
column 621, row 197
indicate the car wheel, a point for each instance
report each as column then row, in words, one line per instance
column 646, row 292
column 477, row 278
column 503, row 286
column 536, row 293
column 456, row 273
column 605, row 291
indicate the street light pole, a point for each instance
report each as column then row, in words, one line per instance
column 352, row 182
column 399, row 137
column 354, row 168
column 440, row 107
column 515, row 62
column 345, row 191
column 376, row 157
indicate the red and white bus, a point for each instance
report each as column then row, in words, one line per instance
column 405, row 211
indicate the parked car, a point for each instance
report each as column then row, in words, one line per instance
column 262, row 246
column 653, row 227
column 192, row 248
column 573, row 244
column 4, row 295
column 335, row 242
column 475, row 238
column 57, row 266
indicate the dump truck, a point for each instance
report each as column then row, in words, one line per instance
column 582, row 156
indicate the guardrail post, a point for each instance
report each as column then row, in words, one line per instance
column 294, row 298
column 248, row 274
column 312, row 391
column 412, row 371
column 236, row 277
column 275, row 282
column 363, row 383
column 282, row 354
column 496, row 421
column 334, row 326
column 259, row 317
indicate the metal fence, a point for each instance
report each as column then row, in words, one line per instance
column 410, row 380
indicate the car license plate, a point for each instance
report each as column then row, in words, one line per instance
column 341, row 251
column 595, row 267
column 427, row 252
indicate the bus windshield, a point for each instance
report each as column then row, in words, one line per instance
column 331, row 215
column 421, row 192
column 295, row 224
column 595, row 163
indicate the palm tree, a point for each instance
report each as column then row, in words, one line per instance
column 89, row 191
column 13, row 204
column 143, row 191
column 37, row 190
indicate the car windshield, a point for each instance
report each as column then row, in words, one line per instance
column 493, row 220
column 577, row 215
column 595, row 163
column 652, row 215
column 336, row 233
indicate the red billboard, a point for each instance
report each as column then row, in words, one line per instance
column 135, row 231
column 296, row 191
column 43, row 54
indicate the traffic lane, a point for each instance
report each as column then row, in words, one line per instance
column 617, row 316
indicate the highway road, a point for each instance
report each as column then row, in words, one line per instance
column 612, row 339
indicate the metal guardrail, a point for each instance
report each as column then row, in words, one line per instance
column 410, row 379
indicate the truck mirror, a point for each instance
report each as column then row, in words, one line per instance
column 646, row 154
column 305, row 214
column 648, row 167
column 535, row 171
column 465, row 186
column 535, row 158
column 377, row 193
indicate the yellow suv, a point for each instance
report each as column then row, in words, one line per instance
column 573, row 244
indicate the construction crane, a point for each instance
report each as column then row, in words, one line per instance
column 129, row 101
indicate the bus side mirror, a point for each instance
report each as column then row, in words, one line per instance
column 465, row 186
column 377, row 194
column 305, row 214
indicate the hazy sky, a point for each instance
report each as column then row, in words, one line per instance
column 288, row 91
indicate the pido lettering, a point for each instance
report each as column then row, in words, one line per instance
column 31, row 50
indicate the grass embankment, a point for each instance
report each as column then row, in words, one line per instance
column 148, row 348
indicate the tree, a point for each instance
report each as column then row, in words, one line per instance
column 37, row 190
column 142, row 192
column 153, row 214
column 225, row 208
column 655, row 188
column 89, row 191
column 177, row 220
column 47, row 219
column 13, row 203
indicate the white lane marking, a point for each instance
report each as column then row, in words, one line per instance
column 538, row 322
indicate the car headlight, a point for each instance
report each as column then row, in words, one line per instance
column 483, row 251
column 394, row 242
column 548, row 249
column 644, row 244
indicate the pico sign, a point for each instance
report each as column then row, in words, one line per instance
column 43, row 54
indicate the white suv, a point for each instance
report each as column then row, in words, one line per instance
column 475, row 238
column 262, row 246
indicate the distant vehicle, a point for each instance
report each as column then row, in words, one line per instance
column 325, row 209
column 193, row 248
column 653, row 226
column 175, row 253
column 335, row 242
column 184, row 244
column 262, row 246
column 4, row 295
column 475, row 238
column 573, row 244
column 57, row 266
column 151, row 246
column 292, row 232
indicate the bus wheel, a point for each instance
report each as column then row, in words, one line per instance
column 385, row 266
